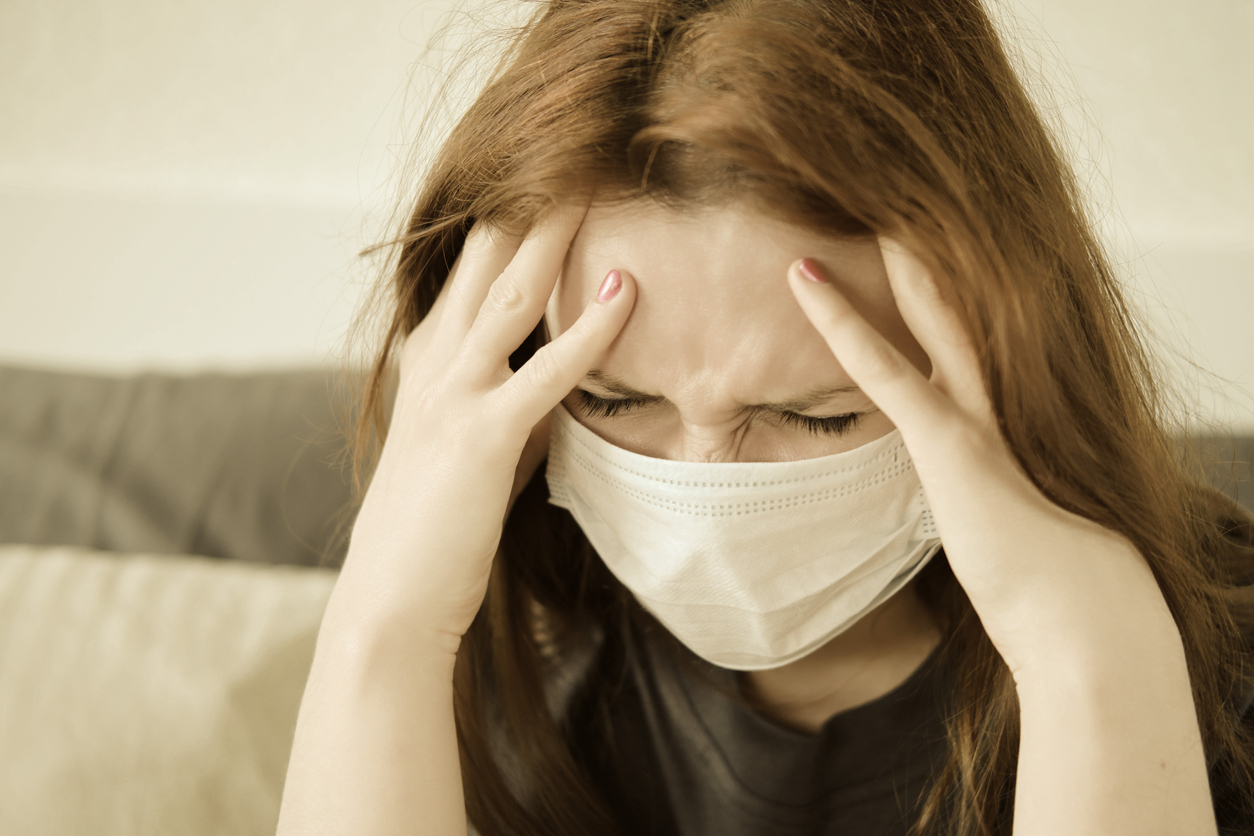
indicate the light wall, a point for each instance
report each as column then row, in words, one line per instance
column 184, row 185
column 1152, row 97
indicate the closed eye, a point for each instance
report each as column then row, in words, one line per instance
column 605, row 408
column 835, row 425
column 596, row 407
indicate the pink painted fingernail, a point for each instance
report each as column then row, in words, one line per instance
column 610, row 287
column 811, row 271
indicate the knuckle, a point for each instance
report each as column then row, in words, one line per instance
column 543, row 367
column 482, row 240
column 495, row 431
column 879, row 360
column 478, row 239
column 829, row 320
column 425, row 398
column 507, row 296
column 418, row 397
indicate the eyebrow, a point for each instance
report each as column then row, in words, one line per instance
column 807, row 400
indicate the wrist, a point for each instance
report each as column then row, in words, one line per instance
column 425, row 593
column 1101, row 657
column 1100, row 614
column 362, row 632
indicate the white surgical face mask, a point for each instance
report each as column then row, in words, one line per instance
column 752, row 565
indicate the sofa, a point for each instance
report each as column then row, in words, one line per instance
column 167, row 546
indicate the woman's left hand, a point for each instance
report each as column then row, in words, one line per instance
column 1109, row 740
column 1042, row 579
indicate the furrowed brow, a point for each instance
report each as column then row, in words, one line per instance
column 806, row 400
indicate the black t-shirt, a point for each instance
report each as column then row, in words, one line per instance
column 677, row 753
column 683, row 755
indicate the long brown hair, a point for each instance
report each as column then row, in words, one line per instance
column 848, row 117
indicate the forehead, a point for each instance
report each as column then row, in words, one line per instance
column 712, row 294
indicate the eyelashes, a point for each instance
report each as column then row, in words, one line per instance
column 836, row 425
column 602, row 408
column 596, row 407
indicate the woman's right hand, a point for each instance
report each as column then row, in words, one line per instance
column 423, row 543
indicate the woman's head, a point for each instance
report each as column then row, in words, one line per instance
column 722, row 140
column 847, row 119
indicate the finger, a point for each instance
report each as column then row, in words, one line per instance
column 559, row 365
column 446, row 323
column 516, row 300
column 936, row 325
column 887, row 377
column 440, row 333
column 484, row 256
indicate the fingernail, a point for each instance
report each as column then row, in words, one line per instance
column 811, row 271
column 610, row 287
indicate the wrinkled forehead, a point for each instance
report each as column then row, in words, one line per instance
column 720, row 272
column 713, row 309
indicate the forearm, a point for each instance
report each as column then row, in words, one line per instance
column 1110, row 742
column 375, row 750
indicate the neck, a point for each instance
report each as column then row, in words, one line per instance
column 874, row 656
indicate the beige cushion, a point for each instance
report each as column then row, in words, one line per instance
column 145, row 694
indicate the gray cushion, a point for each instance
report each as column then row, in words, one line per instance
column 1225, row 463
column 240, row 466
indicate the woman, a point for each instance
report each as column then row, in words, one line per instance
column 789, row 295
